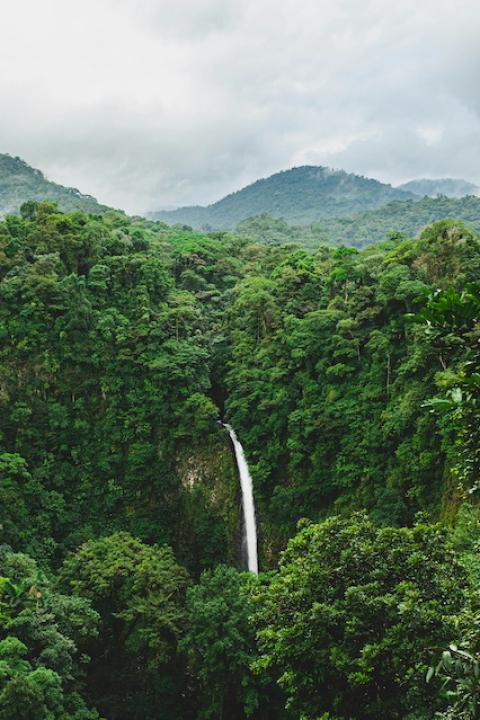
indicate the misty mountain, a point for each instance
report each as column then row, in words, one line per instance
column 20, row 182
column 372, row 226
column 301, row 195
column 450, row 187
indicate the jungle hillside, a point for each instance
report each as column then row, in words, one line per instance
column 351, row 377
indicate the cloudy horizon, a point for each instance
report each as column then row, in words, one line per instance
column 156, row 103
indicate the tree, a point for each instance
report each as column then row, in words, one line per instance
column 348, row 621
column 139, row 593
column 220, row 644
column 459, row 671
column 451, row 320
column 43, row 638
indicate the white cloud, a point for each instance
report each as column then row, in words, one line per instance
column 148, row 103
column 430, row 135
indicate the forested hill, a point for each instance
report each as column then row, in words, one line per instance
column 352, row 379
column 20, row 182
column 450, row 187
column 300, row 195
column 406, row 217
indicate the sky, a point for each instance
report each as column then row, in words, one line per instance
column 149, row 104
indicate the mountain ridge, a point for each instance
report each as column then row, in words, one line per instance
column 301, row 194
column 20, row 182
column 365, row 228
column 450, row 187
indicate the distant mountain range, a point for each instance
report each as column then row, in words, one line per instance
column 445, row 186
column 20, row 182
column 408, row 217
column 301, row 195
column 307, row 205
column 309, row 194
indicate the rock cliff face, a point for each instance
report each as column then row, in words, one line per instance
column 209, row 479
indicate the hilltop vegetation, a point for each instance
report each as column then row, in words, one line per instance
column 446, row 186
column 406, row 217
column 313, row 206
column 351, row 378
column 19, row 182
column 300, row 195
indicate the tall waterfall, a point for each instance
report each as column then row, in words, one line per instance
column 250, row 524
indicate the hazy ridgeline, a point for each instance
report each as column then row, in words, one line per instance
column 309, row 206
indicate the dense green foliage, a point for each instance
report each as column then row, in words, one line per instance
column 300, row 195
column 351, row 378
column 43, row 637
column 327, row 379
column 138, row 592
column 452, row 320
column 103, row 374
column 372, row 226
column 19, row 183
column 220, row 644
column 345, row 623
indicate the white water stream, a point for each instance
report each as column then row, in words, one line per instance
column 250, row 524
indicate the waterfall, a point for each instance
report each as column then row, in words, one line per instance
column 248, row 504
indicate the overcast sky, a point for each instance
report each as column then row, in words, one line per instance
column 153, row 103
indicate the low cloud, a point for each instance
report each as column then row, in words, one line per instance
column 151, row 103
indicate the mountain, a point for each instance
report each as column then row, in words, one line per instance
column 408, row 217
column 300, row 195
column 20, row 182
column 445, row 186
